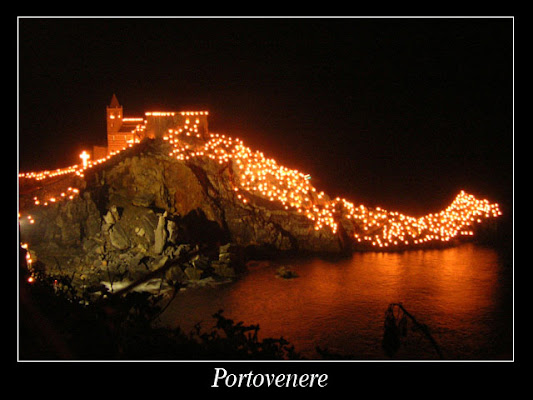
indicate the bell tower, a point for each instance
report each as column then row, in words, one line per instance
column 114, row 122
column 114, row 115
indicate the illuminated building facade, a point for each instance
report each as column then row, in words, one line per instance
column 123, row 131
column 120, row 130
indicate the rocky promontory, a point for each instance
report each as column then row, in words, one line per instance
column 144, row 208
column 216, row 200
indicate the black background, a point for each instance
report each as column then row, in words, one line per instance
column 400, row 113
column 397, row 112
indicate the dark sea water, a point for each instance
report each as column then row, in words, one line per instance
column 463, row 294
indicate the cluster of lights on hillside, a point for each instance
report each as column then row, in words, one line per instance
column 189, row 129
column 262, row 176
column 257, row 175
column 384, row 228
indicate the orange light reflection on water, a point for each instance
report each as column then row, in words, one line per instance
column 341, row 305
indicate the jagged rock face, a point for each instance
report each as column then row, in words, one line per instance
column 143, row 209
column 145, row 200
column 65, row 223
column 201, row 191
column 152, row 181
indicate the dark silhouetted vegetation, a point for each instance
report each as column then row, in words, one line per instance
column 396, row 328
column 57, row 323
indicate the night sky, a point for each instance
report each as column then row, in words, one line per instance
column 400, row 113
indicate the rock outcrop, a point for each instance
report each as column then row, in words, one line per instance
column 198, row 197
column 143, row 208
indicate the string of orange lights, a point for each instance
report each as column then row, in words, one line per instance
column 255, row 174
column 291, row 188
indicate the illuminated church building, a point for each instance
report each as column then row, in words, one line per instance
column 123, row 131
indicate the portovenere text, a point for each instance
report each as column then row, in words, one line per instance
column 251, row 380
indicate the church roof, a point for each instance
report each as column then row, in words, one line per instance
column 127, row 126
column 125, row 129
column 114, row 102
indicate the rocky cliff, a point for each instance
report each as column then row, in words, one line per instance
column 143, row 207
column 153, row 202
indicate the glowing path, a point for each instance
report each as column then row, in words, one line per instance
column 255, row 174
